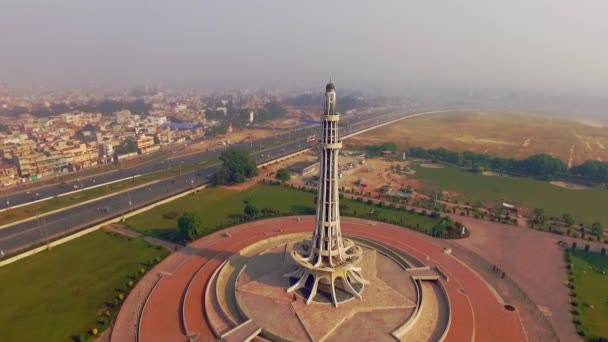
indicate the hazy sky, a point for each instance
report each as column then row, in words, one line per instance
column 525, row 43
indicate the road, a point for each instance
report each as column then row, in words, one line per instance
column 35, row 232
column 13, row 199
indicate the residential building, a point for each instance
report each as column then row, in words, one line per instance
column 8, row 174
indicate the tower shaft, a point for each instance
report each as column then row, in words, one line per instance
column 329, row 260
column 327, row 237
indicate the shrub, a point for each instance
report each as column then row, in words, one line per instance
column 130, row 283
column 121, row 296
column 142, row 270
column 94, row 331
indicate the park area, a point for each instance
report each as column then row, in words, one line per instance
column 591, row 289
column 498, row 133
column 219, row 207
column 584, row 205
column 59, row 294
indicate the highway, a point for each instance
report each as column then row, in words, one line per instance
column 12, row 199
column 40, row 230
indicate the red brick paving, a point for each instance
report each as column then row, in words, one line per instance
column 533, row 260
column 475, row 312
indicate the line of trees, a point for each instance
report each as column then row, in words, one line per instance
column 376, row 150
column 593, row 169
column 538, row 165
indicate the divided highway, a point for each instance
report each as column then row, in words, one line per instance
column 22, row 236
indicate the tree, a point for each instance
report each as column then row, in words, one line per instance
column 568, row 219
column 237, row 167
column 441, row 227
column 250, row 211
column 126, row 146
column 189, row 225
column 283, row 175
column 272, row 110
column 476, row 168
column 538, row 215
column 597, row 229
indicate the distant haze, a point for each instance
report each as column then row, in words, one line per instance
column 532, row 44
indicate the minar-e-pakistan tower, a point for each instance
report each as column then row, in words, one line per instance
column 328, row 262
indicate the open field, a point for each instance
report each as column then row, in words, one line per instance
column 591, row 292
column 584, row 205
column 498, row 133
column 27, row 211
column 216, row 205
column 57, row 294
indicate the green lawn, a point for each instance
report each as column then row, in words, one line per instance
column 215, row 206
column 54, row 295
column 592, row 292
column 585, row 205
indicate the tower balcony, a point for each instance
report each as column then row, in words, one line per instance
column 332, row 146
column 330, row 117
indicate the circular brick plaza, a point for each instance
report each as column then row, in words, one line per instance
column 230, row 286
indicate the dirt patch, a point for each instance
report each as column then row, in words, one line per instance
column 243, row 186
column 499, row 133
column 432, row 166
column 491, row 174
column 570, row 186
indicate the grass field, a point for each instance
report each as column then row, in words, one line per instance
column 585, row 205
column 216, row 205
column 498, row 133
column 54, row 295
column 592, row 292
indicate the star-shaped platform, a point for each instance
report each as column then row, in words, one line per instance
column 387, row 302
